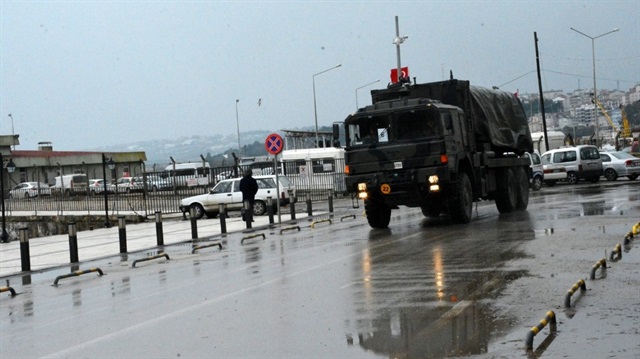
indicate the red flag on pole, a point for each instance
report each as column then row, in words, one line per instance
column 394, row 74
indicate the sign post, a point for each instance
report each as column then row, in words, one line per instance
column 274, row 145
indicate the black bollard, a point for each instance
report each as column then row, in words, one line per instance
column 270, row 209
column 309, row 209
column 73, row 243
column 122, row 234
column 194, row 225
column 248, row 214
column 330, row 201
column 25, row 257
column 159, row 232
column 292, row 204
column 222, row 208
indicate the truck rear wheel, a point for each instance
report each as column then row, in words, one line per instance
column 378, row 214
column 507, row 195
column 523, row 189
column 461, row 205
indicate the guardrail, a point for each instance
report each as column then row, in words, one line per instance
column 133, row 265
column 567, row 299
column 77, row 273
column 600, row 264
column 549, row 318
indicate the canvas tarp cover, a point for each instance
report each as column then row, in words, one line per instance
column 500, row 119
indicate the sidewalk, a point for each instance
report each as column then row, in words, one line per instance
column 53, row 251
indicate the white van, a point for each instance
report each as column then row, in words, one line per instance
column 71, row 185
column 189, row 174
column 581, row 162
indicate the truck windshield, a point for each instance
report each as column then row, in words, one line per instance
column 393, row 127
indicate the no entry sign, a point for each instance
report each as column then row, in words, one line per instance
column 274, row 144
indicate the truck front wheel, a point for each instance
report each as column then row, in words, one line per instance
column 461, row 205
column 432, row 209
column 378, row 214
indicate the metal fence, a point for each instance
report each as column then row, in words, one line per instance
column 314, row 183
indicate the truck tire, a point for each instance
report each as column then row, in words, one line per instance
column 523, row 189
column 507, row 195
column 378, row 214
column 461, row 205
column 432, row 209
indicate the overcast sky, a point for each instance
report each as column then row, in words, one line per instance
column 87, row 74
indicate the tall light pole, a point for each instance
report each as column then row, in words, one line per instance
column 315, row 111
column 4, row 236
column 370, row 83
column 13, row 140
column 595, row 91
column 112, row 165
column 238, row 126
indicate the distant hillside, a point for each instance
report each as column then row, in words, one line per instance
column 189, row 149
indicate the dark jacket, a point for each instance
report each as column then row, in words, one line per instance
column 249, row 188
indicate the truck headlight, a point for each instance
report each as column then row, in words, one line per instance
column 433, row 179
column 362, row 187
column 362, row 195
column 434, row 188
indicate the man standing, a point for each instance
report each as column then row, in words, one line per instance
column 249, row 188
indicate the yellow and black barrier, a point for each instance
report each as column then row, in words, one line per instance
column 600, row 264
column 348, row 216
column 550, row 318
column 8, row 289
column 567, row 299
column 196, row 248
column 628, row 238
column 616, row 255
column 78, row 273
column 313, row 224
column 149, row 259
column 290, row 228
column 253, row 236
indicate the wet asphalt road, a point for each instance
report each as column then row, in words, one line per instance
column 421, row 289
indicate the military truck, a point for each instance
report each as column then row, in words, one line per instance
column 438, row 146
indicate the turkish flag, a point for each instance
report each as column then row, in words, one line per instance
column 394, row 74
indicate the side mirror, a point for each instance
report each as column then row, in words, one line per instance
column 336, row 135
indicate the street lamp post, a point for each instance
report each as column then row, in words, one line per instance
column 112, row 165
column 370, row 83
column 238, row 126
column 4, row 236
column 315, row 111
column 595, row 91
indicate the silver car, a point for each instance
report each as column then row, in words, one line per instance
column 30, row 189
column 618, row 163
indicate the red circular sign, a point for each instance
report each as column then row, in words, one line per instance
column 274, row 144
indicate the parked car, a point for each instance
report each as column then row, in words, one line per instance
column 157, row 183
column 618, row 163
column 29, row 190
column 228, row 192
column 96, row 186
column 537, row 171
column 580, row 162
column 129, row 185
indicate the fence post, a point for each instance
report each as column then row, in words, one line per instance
column 122, row 234
column 330, row 201
column 222, row 208
column 194, row 225
column 159, row 232
column 270, row 209
column 73, row 243
column 309, row 209
column 24, row 249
